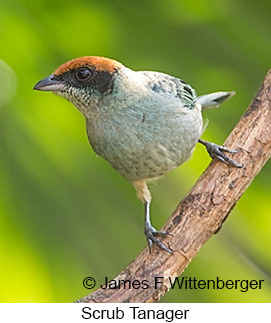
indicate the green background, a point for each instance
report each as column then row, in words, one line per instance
column 66, row 214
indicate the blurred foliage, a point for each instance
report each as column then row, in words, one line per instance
column 66, row 214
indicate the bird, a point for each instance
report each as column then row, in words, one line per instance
column 143, row 123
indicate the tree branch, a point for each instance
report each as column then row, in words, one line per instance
column 203, row 211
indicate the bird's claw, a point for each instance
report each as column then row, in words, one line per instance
column 151, row 235
column 216, row 151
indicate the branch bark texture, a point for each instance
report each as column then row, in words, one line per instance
column 202, row 212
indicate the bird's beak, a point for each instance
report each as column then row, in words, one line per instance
column 50, row 83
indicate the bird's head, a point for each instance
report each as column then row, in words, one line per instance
column 82, row 80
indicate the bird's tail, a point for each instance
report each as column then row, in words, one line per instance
column 213, row 100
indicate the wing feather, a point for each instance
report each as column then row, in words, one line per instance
column 163, row 83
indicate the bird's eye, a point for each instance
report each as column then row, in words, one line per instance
column 83, row 74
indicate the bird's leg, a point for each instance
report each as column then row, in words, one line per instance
column 216, row 151
column 151, row 233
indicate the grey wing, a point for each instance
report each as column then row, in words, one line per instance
column 163, row 83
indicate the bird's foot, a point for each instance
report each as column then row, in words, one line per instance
column 151, row 235
column 216, row 151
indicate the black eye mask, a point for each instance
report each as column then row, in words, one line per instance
column 89, row 78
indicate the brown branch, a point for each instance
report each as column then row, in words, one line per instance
column 203, row 210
